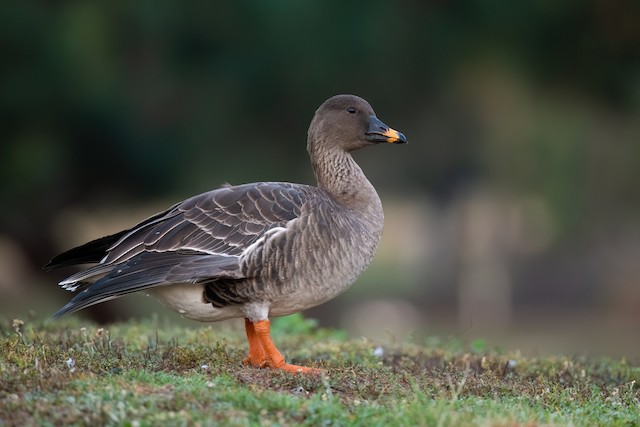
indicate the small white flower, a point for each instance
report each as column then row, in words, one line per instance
column 71, row 364
column 204, row 367
column 378, row 351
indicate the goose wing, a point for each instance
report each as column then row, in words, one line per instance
column 197, row 240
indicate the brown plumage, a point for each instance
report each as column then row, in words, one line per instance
column 253, row 250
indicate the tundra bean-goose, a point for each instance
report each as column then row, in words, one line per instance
column 255, row 250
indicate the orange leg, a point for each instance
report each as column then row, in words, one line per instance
column 257, row 356
column 263, row 352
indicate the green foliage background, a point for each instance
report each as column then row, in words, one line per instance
column 165, row 94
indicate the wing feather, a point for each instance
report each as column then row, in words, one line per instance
column 152, row 269
column 224, row 221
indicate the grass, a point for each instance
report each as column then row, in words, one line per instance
column 155, row 373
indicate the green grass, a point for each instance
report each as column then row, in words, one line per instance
column 155, row 373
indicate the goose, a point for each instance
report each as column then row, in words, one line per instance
column 251, row 251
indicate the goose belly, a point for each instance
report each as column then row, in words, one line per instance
column 187, row 299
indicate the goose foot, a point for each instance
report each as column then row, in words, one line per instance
column 263, row 352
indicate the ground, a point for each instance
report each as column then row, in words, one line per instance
column 154, row 372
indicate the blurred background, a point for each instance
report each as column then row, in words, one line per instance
column 513, row 215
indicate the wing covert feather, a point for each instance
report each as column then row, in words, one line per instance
column 223, row 221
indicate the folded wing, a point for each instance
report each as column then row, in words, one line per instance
column 198, row 240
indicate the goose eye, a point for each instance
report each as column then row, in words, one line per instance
column 351, row 110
